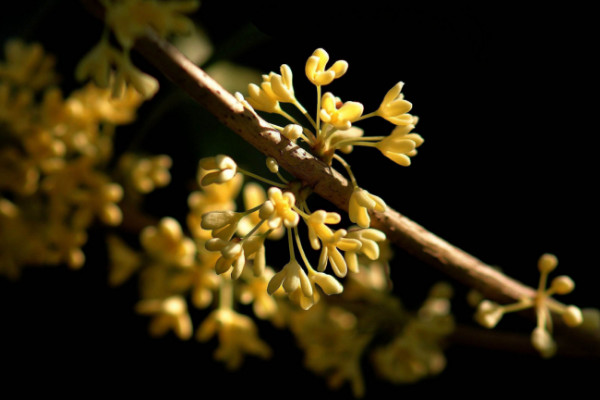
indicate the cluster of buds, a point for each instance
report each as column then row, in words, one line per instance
column 110, row 67
column 489, row 313
column 283, row 208
column 332, row 128
column 53, row 179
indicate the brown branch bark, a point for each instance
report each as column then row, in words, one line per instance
column 332, row 186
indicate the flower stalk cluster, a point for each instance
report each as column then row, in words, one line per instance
column 332, row 127
column 111, row 67
column 283, row 207
column 490, row 313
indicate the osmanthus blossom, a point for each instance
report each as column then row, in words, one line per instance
column 489, row 313
column 333, row 127
column 237, row 334
column 168, row 314
column 316, row 72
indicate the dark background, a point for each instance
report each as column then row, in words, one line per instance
column 507, row 100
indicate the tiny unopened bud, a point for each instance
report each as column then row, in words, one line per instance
column 562, row 284
column 328, row 283
column 547, row 262
column 489, row 313
column 292, row 131
column 272, row 165
column 572, row 316
column 543, row 342
column 217, row 219
column 232, row 250
column 170, row 228
column 266, row 210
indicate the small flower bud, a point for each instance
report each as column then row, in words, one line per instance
column 572, row 316
column 232, row 250
column 547, row 262
column 272, row 165
column 489, row 313
column 328, row 283
column 225, row 168
column 543, row 342
column 266, row 210
column 217, row 219
column 562, row 284
column 292, row 132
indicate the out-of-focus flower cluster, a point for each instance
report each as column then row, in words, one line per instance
column 367, row 322
column 110, row 67
column 53, row 155
column 221, row 268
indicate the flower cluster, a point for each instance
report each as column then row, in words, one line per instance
column 337, row 337
column 53, row 180
column 282, row 208
column 489, row 313
column 110, row 67
column 333, row 126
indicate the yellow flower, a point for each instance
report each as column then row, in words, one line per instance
column 339, row 117
column 237, row 336
column 127, row 73
column 232, row 256
column 168, row 244
column 255, row 292
column 97, row 64
column 315, row 68
column 215, row 197
column 147, row 173
column 169, row 314
column 281, row 86
column 221, row 169
column 254, row 195
column 282, row 209
column 489, row 313
column 317, row 228
column 27, row 65
column 361, row 202
column 394, row 108
column 262, row 98
column 130, row 18
column 291, row 277
column 369, row 239
column 330, row 252
column 400, row 145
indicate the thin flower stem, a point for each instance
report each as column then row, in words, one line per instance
column 260, row 178
column 516, row 307
column 285, row 181
column 301, row 250
column 347, row 167
column 369, row 115
column 302, row 213
column 318, row 124
column 363, row 144
column 291, row 244
column 289, row 117
column 301, row 108
column 253, row 209
column 256, row 227
column 360, row 140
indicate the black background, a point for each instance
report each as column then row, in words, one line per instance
column 507, row 100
